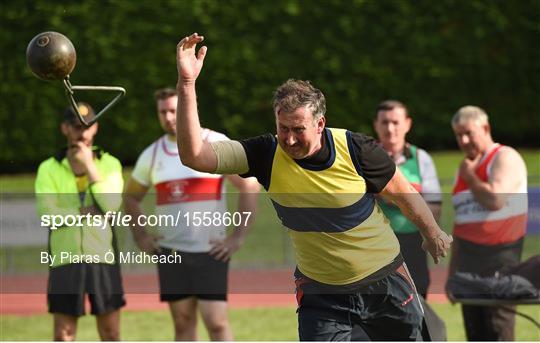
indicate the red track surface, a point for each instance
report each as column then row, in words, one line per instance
column 25, row 295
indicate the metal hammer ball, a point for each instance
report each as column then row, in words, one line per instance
column 51, row 56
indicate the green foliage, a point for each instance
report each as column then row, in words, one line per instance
column 435, row 58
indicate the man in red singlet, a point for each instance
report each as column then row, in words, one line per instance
column 490, row 203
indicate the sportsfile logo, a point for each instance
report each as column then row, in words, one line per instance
column 55, row 221
column 119, row 219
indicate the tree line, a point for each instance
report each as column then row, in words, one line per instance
column 434, row 57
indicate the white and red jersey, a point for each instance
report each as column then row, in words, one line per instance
column 475, row 223
column 181, row 191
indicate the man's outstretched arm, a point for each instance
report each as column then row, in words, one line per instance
column 224, row 157
column 193, row 150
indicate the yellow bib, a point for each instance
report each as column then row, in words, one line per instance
column 339, row 233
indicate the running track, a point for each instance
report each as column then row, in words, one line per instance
column 24, row 295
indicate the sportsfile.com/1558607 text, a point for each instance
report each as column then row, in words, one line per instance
column 118, row 219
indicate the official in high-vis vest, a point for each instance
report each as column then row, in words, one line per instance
column 490, row 203
column 392, row 123
column 322, row 183
column 79, row 186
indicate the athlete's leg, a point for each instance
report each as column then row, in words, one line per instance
column 184, row 314
column 392, row 309
column 216, row 320
column 65, row 327
column 108, row 325
column 210, row 283
column 324, row 317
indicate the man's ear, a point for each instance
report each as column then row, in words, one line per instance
column 320, row 124
column 408, row 122
column 64, row 128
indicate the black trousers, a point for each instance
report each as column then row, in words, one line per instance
column 488, row 323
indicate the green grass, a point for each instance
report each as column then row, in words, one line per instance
column 18, row 183
column 260, row 324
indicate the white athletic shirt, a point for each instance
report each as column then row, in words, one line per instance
column 180, row 192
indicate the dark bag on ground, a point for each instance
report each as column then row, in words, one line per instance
column 505, row 287
column 529, row 269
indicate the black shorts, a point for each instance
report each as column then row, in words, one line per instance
column 199, row 275
column 387, row 310
column 69, row 283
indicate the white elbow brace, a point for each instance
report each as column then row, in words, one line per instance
column 231, row 157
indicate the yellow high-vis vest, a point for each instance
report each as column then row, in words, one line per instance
column 57, row 195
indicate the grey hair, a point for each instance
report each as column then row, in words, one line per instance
column 294, row 94
column 470, row 113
